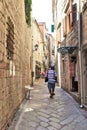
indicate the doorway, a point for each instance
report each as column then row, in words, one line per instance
column 74, row 73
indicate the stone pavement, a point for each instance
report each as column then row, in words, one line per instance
column 42, row 113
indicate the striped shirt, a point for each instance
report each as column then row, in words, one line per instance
column 51, row 76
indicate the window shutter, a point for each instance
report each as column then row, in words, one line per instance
column 74, row 13
column 52, row 28
column 65, row 26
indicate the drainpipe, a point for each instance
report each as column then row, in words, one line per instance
column 80, row 51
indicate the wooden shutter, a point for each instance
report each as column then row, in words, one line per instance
column 65, row 26
column 74, row 14
column 59, row 34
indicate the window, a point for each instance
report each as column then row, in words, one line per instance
column 68, row 23
column 70, row 17
column 10, row 39
column 59, row 33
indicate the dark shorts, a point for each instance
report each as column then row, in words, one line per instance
column 51, row 86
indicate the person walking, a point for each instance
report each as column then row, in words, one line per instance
column 52, row 79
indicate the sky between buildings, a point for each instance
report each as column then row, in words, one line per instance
column 42, row 11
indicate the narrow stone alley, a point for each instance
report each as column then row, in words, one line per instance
column 42, row 113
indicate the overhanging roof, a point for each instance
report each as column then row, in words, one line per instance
column 67, row 49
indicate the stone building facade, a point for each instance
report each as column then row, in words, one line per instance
column 42, row 26
column 15, row 39
column 84, row 53
column 67, row 27
column 72, row 50
column 51, row 49
column 37, row 43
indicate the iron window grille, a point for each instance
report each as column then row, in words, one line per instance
column 10, row 39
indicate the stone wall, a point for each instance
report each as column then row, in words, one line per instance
column 15, row 54
column 71, row 39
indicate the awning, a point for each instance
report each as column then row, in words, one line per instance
column 67, row 49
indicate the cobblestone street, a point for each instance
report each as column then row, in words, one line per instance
column 42, row 113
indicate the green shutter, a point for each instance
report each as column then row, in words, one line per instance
column 52, row 28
